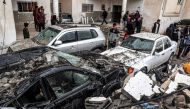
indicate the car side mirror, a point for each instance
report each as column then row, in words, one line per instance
column 58, row 42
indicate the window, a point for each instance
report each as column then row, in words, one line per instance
column 68, row 37
column 87, row 7
column 82, row 35
column 94, row 33
column 159, row 47
column 103, row 6
column 26, row 6
column 46, row 36
column 33, row 95
column 167, row 43
column 65, row 81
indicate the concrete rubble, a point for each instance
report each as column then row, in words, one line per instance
column 13, row 76
column 171, row 90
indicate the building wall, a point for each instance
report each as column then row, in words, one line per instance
column 157, row 9
column 77, row 8
column 134, row 5
column 150, row 12
column 186, row 11
column 66, row 6
column 9, row 27
column 21, row 17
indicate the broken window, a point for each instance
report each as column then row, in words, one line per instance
column 47, row 35
column 159, row 47
column 32, row 95
column 65, row 81
column 167, row 43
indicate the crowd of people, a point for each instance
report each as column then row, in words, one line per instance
column 180, row 35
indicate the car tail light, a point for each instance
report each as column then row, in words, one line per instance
column 130, row 70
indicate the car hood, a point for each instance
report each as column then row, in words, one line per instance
column 22, row 44
column 126, row 56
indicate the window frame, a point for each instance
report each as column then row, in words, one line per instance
column 87, row 7
column 165, row 41
column 28, row 3
column 65, row 42
column 156, row 46
column 83, row 31
column 74, row 88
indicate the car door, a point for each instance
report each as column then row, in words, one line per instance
column 33, row 96
column 70, row 86
column 69, row 42
column 86, row 40
column 167, row 48
column 158, row 54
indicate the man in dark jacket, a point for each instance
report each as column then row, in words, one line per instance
column 40, row 19
column 156, row 26
column 169, row 31
column 104, row 16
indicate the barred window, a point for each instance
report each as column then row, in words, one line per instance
column 87, row 7
column 26, row 6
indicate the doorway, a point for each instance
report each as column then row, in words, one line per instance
column 116, row 13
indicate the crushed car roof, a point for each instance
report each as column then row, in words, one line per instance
column 150, row 36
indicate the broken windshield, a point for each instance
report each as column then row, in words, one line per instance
column 46, row 36
column 139, row 44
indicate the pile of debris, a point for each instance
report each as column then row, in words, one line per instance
column 159, row 89
column 21, row 71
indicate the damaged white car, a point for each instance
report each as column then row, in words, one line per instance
column 143, row 52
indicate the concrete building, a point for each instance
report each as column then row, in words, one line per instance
column 7, row 24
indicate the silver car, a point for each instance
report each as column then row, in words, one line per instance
column 72, row 38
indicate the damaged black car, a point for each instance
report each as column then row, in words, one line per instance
column 41, row 77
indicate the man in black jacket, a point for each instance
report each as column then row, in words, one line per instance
column 156, row 26
column 104, row 16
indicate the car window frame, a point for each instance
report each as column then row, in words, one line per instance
column 74, row 89
column 84, row 30
column 76, row 38
column 167, row 40
column 156, row 46
column 40, row 81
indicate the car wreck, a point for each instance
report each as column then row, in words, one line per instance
column 160, row 89
column 41, row 77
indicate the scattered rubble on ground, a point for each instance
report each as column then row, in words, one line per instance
column 168, row 89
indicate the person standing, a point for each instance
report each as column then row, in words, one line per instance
column 169, row 31
column 26, row 33
column 35, row 14
column 175, row 35
column 113, row 35
column 41, row 19
column 156, row 26
column 130, row 27
column 104, row 16
column 125, row 18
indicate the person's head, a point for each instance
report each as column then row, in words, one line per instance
column 114, row 24
column 39, row 10
column 137, row 12
column 158, row 21
column 127, row 12
column 26, row 24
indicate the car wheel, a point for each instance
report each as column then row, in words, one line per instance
column 170, row 59
column 144, row 70
column 97, row 50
